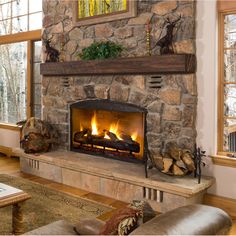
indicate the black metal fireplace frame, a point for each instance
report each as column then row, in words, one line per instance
column 109, row 105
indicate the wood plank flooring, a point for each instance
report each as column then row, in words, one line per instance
column 11, row 166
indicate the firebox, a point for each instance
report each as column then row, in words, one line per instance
column 109, row 129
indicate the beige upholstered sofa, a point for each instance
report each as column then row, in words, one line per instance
column 187, row 220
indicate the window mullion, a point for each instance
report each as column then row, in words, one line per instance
column 221, row 85
column 29, row 78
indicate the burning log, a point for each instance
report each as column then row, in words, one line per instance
column 84, row 138
column 127, row 138
column 80, row 134
column 111, row 135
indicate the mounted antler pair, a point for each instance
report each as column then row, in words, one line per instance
column 166, row 42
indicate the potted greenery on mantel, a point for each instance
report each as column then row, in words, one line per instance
column 101, row 50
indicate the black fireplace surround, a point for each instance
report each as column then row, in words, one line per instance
column 104, row 112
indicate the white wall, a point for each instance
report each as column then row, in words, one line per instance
column 206, row 43
column 9, row 138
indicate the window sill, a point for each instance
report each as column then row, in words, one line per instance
column 9, row 127
column 224, row 161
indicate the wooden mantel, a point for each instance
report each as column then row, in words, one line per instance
column 164, row 64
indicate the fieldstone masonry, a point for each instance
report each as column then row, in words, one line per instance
column 171, row 108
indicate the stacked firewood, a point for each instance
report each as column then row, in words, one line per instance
column 175, row 161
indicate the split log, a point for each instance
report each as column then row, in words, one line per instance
column 175, row 161
column 188, row 160
column 175, row 152
column 181, row 165
column 176, row 170
column 158, row 162
column 167, row 164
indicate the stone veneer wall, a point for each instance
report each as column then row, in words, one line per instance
column 171, row 109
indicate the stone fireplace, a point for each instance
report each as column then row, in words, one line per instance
column 169, row 99
column 152, row 100
column 170, row 108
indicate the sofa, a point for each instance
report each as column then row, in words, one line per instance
column 186, row 220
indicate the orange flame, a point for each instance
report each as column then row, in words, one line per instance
column 114, row 128
column 94, row 124
column 134, row 136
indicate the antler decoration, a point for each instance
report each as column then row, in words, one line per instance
column 166, row 42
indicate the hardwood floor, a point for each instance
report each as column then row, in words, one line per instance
column 11, row 166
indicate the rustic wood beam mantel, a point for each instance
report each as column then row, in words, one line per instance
column 164, row 64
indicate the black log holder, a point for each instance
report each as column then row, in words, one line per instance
column 198, row 154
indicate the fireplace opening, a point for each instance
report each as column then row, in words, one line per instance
column 110, row 129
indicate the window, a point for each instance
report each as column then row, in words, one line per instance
column 20, row 49
column 227, row 83
column 20, row 16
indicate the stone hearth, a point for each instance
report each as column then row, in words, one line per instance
column 120, row 180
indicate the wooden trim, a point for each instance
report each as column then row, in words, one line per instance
column 130, row 12
column 30, row 37
column 9, row 127
column 220, row 116
column 221, row 81
column 226, row 5
column 164, row 64
column 24, row 36
column 227, row 204
column 6, row 150
column 223, row 160
column 29, row 78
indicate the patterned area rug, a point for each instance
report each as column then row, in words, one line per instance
column 46, row 205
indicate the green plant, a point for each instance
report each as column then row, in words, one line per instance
column 101, row 50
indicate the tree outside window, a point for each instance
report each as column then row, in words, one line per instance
column 18, row 64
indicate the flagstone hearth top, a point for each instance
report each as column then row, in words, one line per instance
column 186, row 186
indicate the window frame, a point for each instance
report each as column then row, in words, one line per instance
column 12, row 16
column 30, row 37
column 221, row 158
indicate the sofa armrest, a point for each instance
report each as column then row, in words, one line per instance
column 58, row 227
column 188, row 220
column 89, row 227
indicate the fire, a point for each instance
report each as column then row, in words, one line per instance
column 94, row 124
column 114, row 128
column 134, row 136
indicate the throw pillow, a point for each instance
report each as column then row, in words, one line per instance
column 122, row 222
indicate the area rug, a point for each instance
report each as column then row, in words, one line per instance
column 46, row 205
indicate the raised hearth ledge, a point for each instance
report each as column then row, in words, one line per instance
column 186, row 186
